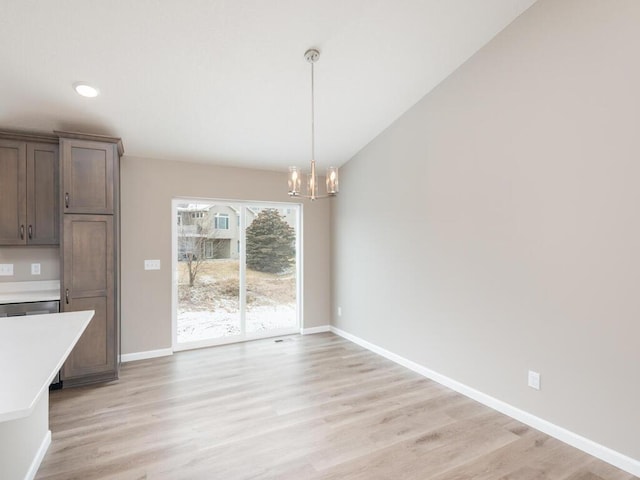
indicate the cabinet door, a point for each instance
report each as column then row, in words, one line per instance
column 88, row 284
column 87, row 176
column 13, row 193
column 43, row 212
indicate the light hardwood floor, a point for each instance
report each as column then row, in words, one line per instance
column 312, row 407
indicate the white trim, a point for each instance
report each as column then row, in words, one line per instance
column 174, row 274
column 37, row 459
column 132, row 357
column 242, row 288
column 312, row 330
column 606, row 454
column 300, row 264
column 247, row 337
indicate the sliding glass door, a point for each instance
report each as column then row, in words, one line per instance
column 236, row 271
column 271, row 269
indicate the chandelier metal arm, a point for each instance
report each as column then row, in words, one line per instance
column 314, row 197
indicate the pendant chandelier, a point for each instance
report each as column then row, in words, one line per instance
column 295, row 175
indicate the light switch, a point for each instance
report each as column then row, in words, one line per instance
column 35, row 269
column 533, row 380
column 152, row 264
column 6, row 269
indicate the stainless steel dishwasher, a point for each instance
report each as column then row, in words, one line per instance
column 32, row 308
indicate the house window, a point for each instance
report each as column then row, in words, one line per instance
column 197, row 214
column 221, row 221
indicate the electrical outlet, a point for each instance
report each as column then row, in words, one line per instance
column 152, row 264
column 35, row 269
column 6, row 269
column 339, row 311
column 534, row 380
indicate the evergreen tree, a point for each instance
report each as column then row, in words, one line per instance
column 270, row 242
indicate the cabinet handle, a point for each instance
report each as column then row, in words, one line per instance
column 66, row 296
column 66, row 200
column 21, row 232
column 30, row 232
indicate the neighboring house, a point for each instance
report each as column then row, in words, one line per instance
column 213, row 231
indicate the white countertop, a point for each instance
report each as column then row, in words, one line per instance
column 32, row 351
column 20, row 292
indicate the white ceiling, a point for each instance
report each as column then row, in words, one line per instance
column 225, row 81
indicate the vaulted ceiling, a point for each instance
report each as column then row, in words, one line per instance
column 225, row 81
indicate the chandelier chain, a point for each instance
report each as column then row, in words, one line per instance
column 313, row 116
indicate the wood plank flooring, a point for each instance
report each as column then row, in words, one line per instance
column 309, row 407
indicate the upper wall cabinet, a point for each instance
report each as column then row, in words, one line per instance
column 13, row 192
column 88, row 176
column 29, row 211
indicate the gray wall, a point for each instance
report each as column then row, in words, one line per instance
column 23, row 257
column 148, row 186
column 494, row 227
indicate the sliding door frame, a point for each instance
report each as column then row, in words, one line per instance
column 243, row 336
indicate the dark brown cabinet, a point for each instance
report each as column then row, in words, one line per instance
column 88, row 178
column 89, row 181
column 64, row 189
column 29, row 211
column 43, row 211
column 13, row 192
column 89, row 269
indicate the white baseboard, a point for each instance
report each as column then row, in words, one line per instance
column 312, row 330
column 606, row 454
column 37, row 460
column 132, row 357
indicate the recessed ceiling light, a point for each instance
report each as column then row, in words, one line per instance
column 85, row 90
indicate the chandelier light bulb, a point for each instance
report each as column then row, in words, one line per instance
column 294, row 181
column 332, row 181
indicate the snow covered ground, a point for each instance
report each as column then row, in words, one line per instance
column 194, row 326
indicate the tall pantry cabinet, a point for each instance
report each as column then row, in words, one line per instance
column 89, row 247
